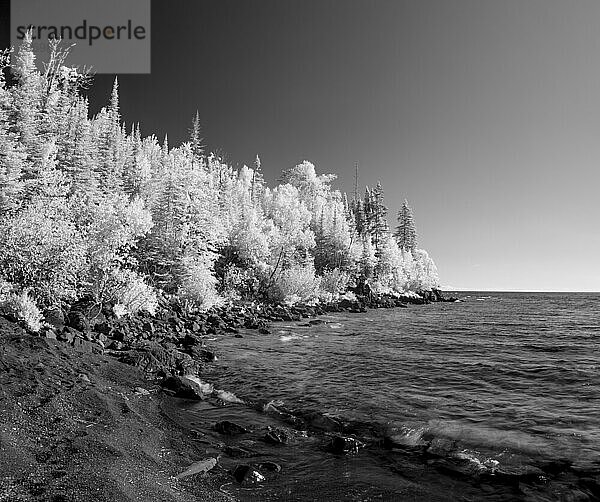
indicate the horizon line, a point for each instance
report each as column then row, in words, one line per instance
column 468, row 290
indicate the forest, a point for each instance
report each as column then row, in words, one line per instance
column 91, row 209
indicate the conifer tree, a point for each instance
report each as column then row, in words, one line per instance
column 406, row 233
column 196, row 139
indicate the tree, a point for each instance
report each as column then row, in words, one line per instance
column 406, row 233
column 196, row 139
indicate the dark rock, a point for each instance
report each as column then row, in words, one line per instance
column 238, row 452
column 277, row 436
column 148, row 327
column 264, row 331
column 237, row 335
column 78, row 320
column 315, row 322
column 87, row 346
column 186, row 387
column 324, row 423
column 55, row 318
column 245, row 474
column 344, row 445
column 229, row 428
column 201, row 354
column 269, row 466
column 154, row 358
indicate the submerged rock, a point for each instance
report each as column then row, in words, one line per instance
column 277, row 436
column 229, row 428
column 344, row 445
column 269, row 466
column 245, row 474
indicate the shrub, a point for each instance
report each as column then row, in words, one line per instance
column 126, row 291
column 41, row 249
column 334, row 282
column 198, row 287
column 21, row 307
column 294, row 285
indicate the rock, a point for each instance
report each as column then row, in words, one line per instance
column 229, row 428
column 228, row 397
column 50, row 334
column 202, row 354
column 238, row 452
column 189, row 387
column 277, row 436
column 269, row 466
column 55, row 318
column 69, row 334
column 264, row 331
column 315, row 322
column 87, row 346
column 154, row 358
column 142, row 391
column 237, row 335
column 344, row 445
column 325, row 423
column 78, row 320
column 84, row 378
column 245, row 474
column 201, row 467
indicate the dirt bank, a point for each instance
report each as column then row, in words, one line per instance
column 78, row 426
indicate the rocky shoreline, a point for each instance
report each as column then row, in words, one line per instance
column 82, row 405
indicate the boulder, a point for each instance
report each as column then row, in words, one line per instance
column 245, row 474
column 78, row 320
column 55, row 318
column 276, row 436
column 229, row 428
column 344, row 445
column 189, row 387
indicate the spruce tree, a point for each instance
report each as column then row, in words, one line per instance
column 406, row 233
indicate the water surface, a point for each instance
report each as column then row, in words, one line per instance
column 505, row 388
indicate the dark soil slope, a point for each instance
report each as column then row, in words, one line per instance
column 78, row 426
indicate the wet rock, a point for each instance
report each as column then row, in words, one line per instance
column 344, row 445
column 187, row 387
column 229, row 428
column 201, row 354
column 276, row 436
column 245, row 474
column 238, row 452
column 269, row 466
column 324, row 423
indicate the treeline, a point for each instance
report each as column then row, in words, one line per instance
column 90, row 208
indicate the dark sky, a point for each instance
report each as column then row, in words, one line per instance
column 485, row 114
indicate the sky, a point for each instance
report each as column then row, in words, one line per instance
column 484, row 114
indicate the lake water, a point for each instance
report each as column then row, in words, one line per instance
column 493, row 398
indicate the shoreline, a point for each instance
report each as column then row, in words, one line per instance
column 82, row 404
